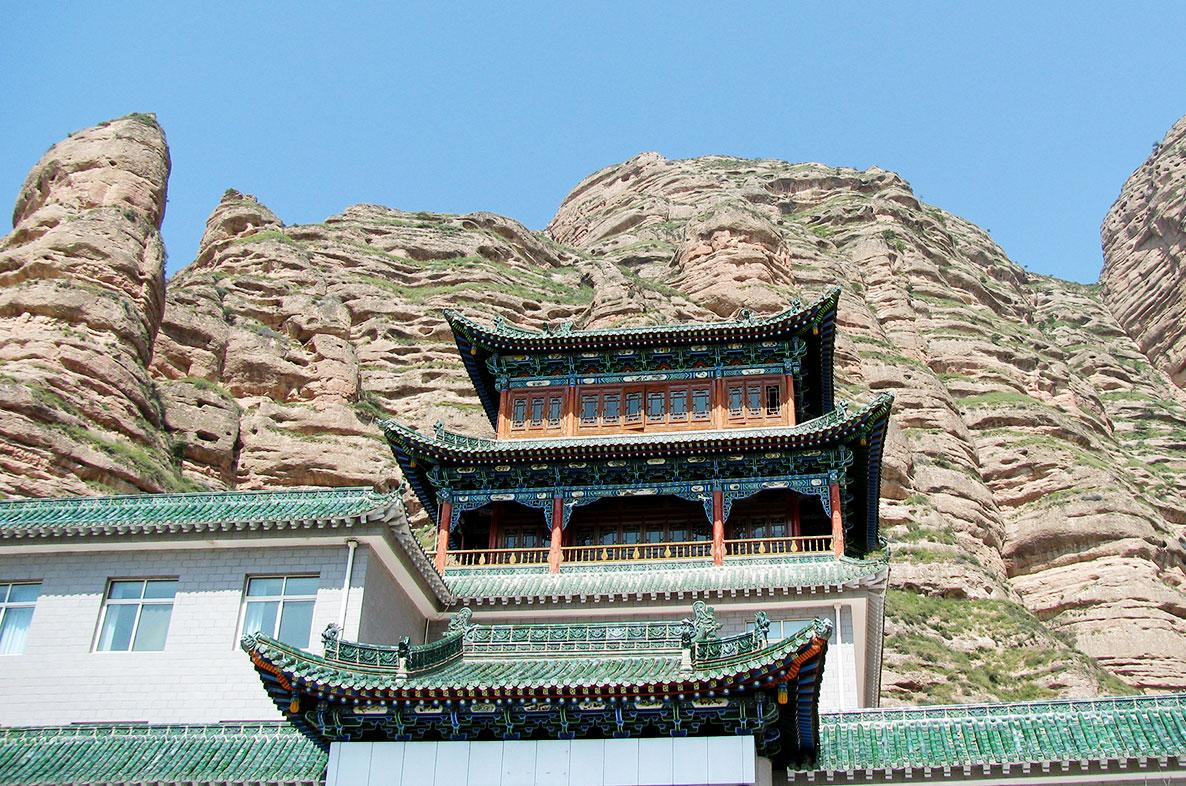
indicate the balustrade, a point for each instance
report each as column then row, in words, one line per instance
column 643, row 552
column 758, row 547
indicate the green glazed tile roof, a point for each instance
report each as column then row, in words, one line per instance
column 125, row 753
column 506, row 336
column 518, row 670
column 186, row 512
column 492, row 584
column 1074, row 730
column 834, row 427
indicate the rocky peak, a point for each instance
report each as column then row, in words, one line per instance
column 81, row 297
column 1144, row 240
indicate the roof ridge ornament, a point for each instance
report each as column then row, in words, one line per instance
column 459, row 622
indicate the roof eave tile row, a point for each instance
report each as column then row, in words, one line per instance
column 1065, row 732
column 636, row 672
column 509, row 338
column 820, row 432
column 134, row 753
column 772, row 575
column 232, row 511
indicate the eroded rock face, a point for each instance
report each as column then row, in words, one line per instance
column 1144, row 238
column 81, row 296
column 1033, row 475
column 1035, row 457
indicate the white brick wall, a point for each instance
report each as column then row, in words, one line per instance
column 201, row 676
column 388, row 614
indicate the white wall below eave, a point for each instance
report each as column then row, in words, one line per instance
column 659, row 761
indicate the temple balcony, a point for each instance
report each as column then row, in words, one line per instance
column 665, row 552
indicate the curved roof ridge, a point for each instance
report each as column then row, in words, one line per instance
column 838, row 418
column 507, row 330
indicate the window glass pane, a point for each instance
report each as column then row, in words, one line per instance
column 24, row 593
column 679, row 405
column 117, row 627
column 295, row 622
column 122, row 590
column 554, row 408
column 735, row 400
column 633, row 407
column 630, row 534
column 700, row 404
column 520, row 411
column 154, row 624
column 655, row 406
column 265, row 586
column 611, row 407
column 160, row 589
column 589, row 408
column 773, row 400
column 584, row 536
column 537, row 411
column 678, row 533
column 653, row 533
column 753, row 400
column 14, row 627
column 609, row 536
column 301, row 585
column 260, row 616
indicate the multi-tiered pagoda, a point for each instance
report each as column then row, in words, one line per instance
column 635, row 473
column 672, row 442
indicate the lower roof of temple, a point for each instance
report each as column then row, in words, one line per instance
column 770, row 575
column 994, row 736
column 564, row 681
column 985, row 736
column 137, row 753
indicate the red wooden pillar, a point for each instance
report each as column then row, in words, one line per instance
column 837, row 524
column 493, row 543
column 570, row 411
column 557, row 534
column 718, row 403
column 446, row 513
column 718, row 527
column 504, row 414
column 796, row 520
column 790, row 399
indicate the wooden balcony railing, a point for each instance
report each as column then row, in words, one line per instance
column 481, row 557
column 626, row 552
column 757, row 547
column 643, row 552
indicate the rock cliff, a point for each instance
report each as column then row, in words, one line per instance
column 1144, row 238
column 1035, row 469
column 82, row 289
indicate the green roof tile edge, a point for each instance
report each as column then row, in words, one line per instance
column 839, row 420
column 1038, row 732
column 244, row 752
column 503, row 330
column 27, row 517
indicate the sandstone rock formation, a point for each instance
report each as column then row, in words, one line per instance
column 1034, row 475
column 1144, row 239
column 81, row 295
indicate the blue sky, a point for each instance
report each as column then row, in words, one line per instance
column 1025, row 118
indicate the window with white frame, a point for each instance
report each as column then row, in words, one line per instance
column 280, row 607
column 16, row 613
column 782, row 629
column 136, row 615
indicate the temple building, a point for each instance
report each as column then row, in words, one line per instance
column 664, row 567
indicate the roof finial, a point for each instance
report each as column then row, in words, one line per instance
column 438, row 428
